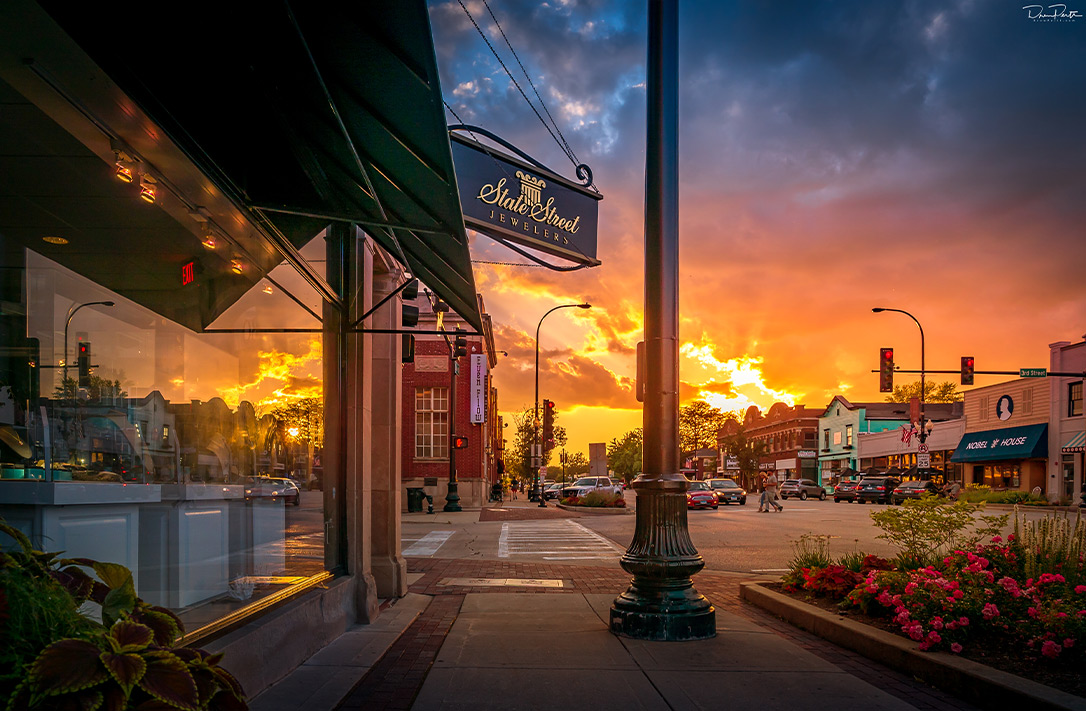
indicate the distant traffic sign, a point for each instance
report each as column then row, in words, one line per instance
column 1033, row 372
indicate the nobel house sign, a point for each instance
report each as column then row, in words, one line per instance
column 511, row 199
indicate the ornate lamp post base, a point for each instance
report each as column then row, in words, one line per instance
column 452, row 498
column 661, row 603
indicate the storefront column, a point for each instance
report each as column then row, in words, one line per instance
column 389, row 566
column 346, row 379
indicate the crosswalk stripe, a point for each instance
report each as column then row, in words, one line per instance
column 555, row 540
column 428, row 544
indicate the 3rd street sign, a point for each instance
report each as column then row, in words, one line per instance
column 1032, row 372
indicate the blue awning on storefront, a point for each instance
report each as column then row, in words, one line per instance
column 1025, row 442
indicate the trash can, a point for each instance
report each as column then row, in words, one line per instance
column 415, row 495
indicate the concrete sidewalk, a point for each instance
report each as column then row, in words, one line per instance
column 484, row 634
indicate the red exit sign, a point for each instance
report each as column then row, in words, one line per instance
column 188, row 273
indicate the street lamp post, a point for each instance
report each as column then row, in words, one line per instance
column 661, row 602
column 71, row 313
column 537, row 490
column 925, row 426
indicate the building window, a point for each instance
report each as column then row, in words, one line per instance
column 825, row 439
column 848, row 435
column 431, row 423
column 1074, row 399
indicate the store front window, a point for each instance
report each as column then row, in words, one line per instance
column 193, row 459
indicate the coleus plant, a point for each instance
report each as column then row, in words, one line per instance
column 130, row 662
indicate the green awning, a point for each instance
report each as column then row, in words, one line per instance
column 297, row 114
column 1025, row 442
column 1076, row 443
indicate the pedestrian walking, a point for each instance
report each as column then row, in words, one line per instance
column 761, row 499
column 771, row 493
column 514, row 487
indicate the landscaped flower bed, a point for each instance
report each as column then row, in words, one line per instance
column 1016, row 602
column 595, row 499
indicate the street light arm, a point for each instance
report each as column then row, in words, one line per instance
column 922, row 368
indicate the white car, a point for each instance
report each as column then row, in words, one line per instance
column 588, row 484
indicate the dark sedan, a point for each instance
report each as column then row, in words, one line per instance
column 913, row 490
column 845, row 490
column 728, row 491
column 877, row 488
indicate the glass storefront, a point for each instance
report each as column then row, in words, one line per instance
column 194, row 459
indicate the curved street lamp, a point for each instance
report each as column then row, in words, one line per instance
column 925, row 426
column 535, row 409
column 71, row 313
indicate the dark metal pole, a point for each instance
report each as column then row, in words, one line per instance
column 661, row 603
column 452, row 498
column 537, row 440
column 923, row 419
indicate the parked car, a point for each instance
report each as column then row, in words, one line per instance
column 552, row 491
column 913, row 489
column 801, row 489
column 876, row 488
column 845, row 490
column 589, row 484
column 266, row 487
column 700, row 496
column 728, row 491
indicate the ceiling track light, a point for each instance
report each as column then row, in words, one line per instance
column 236, row 266
column 125, row 171
column 209, row 240
column 148, row 190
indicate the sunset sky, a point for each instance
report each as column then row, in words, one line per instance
column 925, row 156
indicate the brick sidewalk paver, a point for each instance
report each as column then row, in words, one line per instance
column 396, row 680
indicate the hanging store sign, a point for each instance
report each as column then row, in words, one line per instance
column 478, row 388
column 511, row 199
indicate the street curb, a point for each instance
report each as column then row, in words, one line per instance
column 596, row 509
column 967, row 680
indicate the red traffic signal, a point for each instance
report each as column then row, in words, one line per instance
column 886, row 370
column 548, row 423
column 967, row 370
column 83, row 361
column 459, row 442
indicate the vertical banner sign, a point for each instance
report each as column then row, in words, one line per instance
column 478, row 388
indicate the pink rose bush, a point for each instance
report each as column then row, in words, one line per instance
column 978, row 596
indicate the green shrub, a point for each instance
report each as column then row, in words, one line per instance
column 1055, row 544
column 599, row 498
column 853, row 560
column 927, row 528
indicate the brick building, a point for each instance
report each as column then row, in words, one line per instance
column 428, row 394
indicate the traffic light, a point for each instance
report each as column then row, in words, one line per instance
column 460, row 345
column 409, row 313
column 84, row 364
column 886, row 370
column 407, row 350
column 967, row 370
column 548, row 423
column 459, row 442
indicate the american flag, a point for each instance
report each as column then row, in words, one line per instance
column 907, row 434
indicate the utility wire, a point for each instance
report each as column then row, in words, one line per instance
column 565, row 144
column 515, row 83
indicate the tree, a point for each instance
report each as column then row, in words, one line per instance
column 518, row 459
column 748, row 453
column 97, row 389
column 299, row 421
column 576, row 465
column 624, row 454
column 933, row 392
column 698, row 425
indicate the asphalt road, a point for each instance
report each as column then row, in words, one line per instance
column 731, row 538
